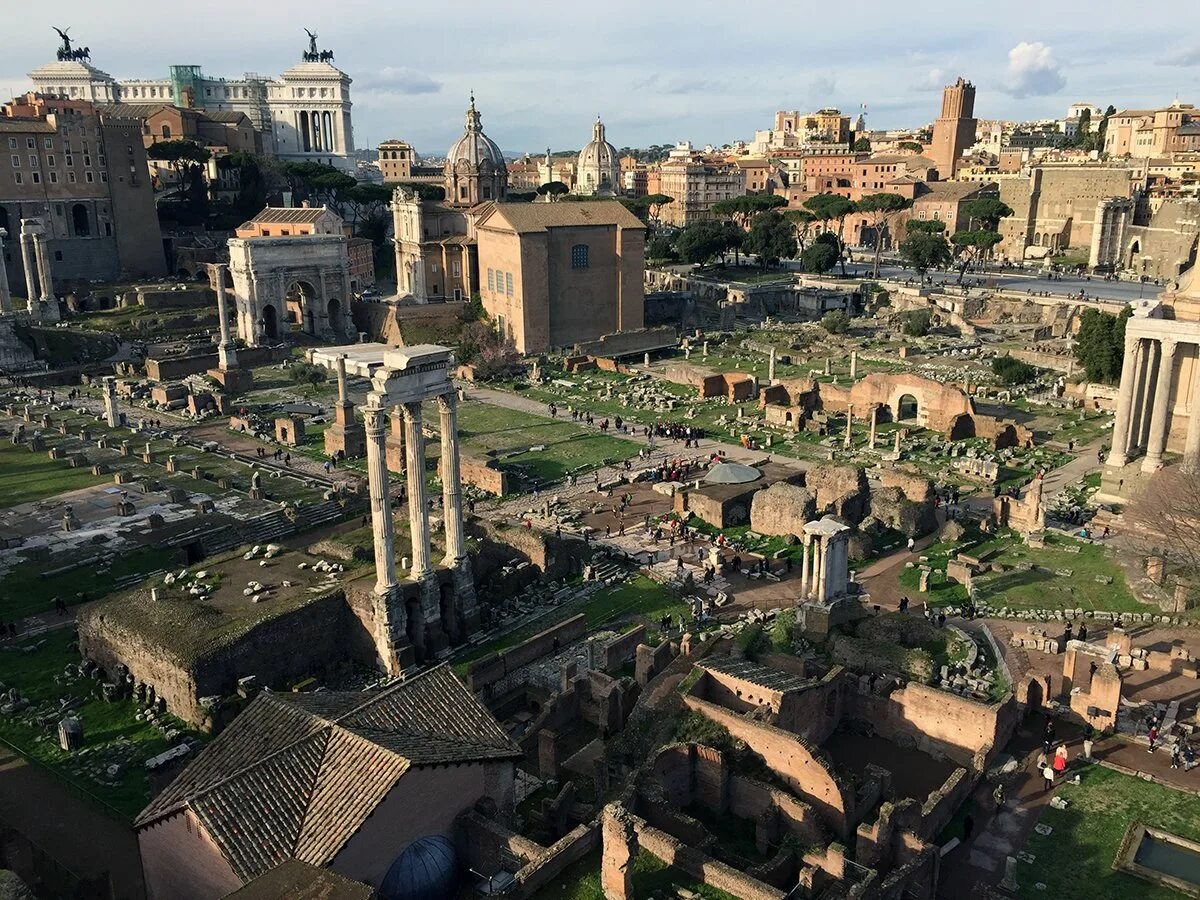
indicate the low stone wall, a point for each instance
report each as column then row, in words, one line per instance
column 551, row 862
column 484, row 474
column 482, row 673
column 940, row 806
column 172, row 368
column 621, row 650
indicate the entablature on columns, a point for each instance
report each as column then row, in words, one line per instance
column 1179, row 331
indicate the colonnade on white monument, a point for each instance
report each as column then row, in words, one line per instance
column 825, row 564
column 39, row 281
column 1154, row 352
column 408, row 377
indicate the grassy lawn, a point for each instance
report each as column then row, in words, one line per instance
column 26, row 475
column 1039, row 588
column 1075, row 860
column 111, row 733
column 640, row 599
column 26, row 590
column 651, row 878
column 563, row 447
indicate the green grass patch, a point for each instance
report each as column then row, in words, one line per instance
column 110, row 729
column 27, row 475
column 651, row 878
column 27, row 590
column 1075, row 860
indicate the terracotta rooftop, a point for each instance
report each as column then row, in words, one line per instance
column 289, row 215
column 296, row 775
column 295, row 880
column 530, row 217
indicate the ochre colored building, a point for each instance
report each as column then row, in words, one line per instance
column 553, row 274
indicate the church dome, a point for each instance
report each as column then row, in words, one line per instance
column 599, row 169
column 426, row 870
column 474, row 147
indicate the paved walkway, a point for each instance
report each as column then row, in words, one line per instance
column 1057, row 480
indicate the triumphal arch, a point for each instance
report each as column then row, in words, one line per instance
column 281, row 284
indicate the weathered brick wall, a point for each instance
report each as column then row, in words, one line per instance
column 621, row 650
column 914, row 486
column 796, row 764
column 703, row 867
column 940, row 806
column 958, row 727
column 484, row 672
column 551, row 862
column 484, row 474
column 649, row 661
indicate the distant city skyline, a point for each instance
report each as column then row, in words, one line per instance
column 656, row 73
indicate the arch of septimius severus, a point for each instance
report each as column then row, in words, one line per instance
column 416, row 617
column 1158, row 403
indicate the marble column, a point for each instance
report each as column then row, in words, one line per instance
column 853, row 364
column 451, row 481
column 381, row 505
column 1191, row 445
column 874, row 422
column 824, row 569
column 771, row 367
column 804, row 571
column 31, row 291
column 5, row 293
column 112, row 414
column 1120, row 439
column 226, row 354
column 43, row 264
column 1148, row 370
column 1159, row 423
column 848, row 438
column 340, row 368
column 418, row 505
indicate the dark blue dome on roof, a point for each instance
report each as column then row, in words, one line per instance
column 427, row 869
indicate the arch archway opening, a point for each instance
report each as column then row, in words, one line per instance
column 906, row 408
column 270, row 320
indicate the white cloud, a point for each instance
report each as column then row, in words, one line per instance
column 399, row 80
column 1185, row 57
column 1033, row 71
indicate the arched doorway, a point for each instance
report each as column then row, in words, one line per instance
column 270, row 320
column 79, row 220
column 906, row 408
column 299, row 299
column 1134, row 249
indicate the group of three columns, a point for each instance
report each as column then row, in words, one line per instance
column 375, row 415
column 1144, row 405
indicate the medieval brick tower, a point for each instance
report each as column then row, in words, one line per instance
column 954, row 130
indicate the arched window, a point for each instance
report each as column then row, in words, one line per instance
column 579, row 256
column 166, row 131
column 79, row 219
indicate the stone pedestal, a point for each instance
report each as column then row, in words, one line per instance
column 346, row 434
column 233, row 381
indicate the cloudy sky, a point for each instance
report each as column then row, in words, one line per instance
column 657, row 71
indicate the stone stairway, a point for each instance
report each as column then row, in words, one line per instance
column 315, row 515
column 267, row 528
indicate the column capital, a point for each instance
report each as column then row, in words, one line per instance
column 448, row 400
column 374, row 418
column 1169, row 345
column 411, row 411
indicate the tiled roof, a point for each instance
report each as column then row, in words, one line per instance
column 952, row 190
column 23, row 125
column 295, row 775
column 138, row 110
column 295, row 880
column 531, row 217
column 756, row 674
column 289, row 215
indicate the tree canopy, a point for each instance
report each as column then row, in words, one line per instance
column 701, row 242
column 771, row 238
column 924, row 251
column 553, row 190
column 1100, row 344
column 986, row 212
column 880, row 208
column 818, row 258
column 836, row 321
column 862, row 145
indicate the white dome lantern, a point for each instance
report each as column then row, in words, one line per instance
column 599, row 169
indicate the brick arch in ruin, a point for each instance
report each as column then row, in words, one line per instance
column 938, row 405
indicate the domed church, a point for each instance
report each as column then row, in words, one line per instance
column 599, row 170
column 475, row 168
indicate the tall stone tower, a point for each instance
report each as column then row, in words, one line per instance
column 954, row 130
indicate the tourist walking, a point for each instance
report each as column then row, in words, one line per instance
column 1153, row 735
column 1088, row 733
column 1048, row 776
column 1060, row 759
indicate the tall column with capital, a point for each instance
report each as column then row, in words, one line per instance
column 43, row 264
column 1159, row 425
column 824, row 568
column 451, row 483
column 466, row 608
column 381, row 500
column 226, row 353
column 804, row 570
column 1117, row 456
column 31, row 291
column 1191, row 445
column 418, row 506
column 1147, row 373
column 5, row 293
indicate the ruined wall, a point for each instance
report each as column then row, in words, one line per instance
column 279, row 651
column 839, row 490
column 793, row 762
column 937, row 404
column 486, row 671
column 782, row 509
column 965, row 730
column 482, row 473
column 621, row 650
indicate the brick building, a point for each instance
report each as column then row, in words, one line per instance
column 696, row 183
column 1149, row 133
column 83, row 172
column 553, row 274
